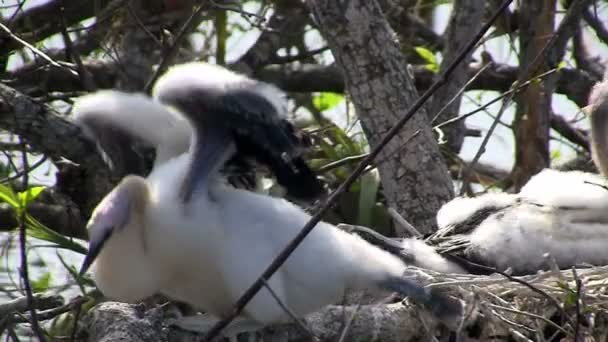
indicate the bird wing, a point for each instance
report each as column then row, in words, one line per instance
column 260, row 133
column 252, row 113
column 123, row 125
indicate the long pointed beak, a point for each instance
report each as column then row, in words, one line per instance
column 96, row 244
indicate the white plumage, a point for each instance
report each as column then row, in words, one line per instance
column 155, row 125
column 207, row 248
column 563, row 215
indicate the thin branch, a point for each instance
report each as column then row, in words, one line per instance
column 466, row 172
column 348, row 324
column 77, row 313
column 462, row 89
column 52, row 313
column 533, row 288
column 42, row 301
column 597, row 25
column 529, row 314
column 579, row 285
column 340, row 162
column 23, row 251
column 280, row 259
column 403, row 222
column 73, row 53
column 496, row 99
column 293, row 316
column 171, row 52
column 35, row 50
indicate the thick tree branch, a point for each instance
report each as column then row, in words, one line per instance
column 374, row 70
column 48, row 132
column 573, row 83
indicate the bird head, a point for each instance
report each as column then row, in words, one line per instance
column 121, row 206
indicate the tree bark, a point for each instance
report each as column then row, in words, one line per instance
column 459, row 31
column 414, row 176
column 532, row 116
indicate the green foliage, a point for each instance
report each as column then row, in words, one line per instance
column 34, row 228
column 337, row 154
column 368, row 194
column 28, row 196
column 570, row 297
column 41, row 284
column 326, row 101
column 8, row 195
column 429, row 58
column 555, row 155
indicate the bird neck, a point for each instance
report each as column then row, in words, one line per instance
column 139, row 195
column 210, row 149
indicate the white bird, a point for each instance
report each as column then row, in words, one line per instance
column 113, row 119
column 249, row 113
column 558, row 215
column 186, row 234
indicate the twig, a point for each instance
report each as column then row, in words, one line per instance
column 526, row 284
column 460, row 91
column 78, row 311
column 19, row 174
column 72, row 52
column 237, row 10
column 52, row 313
column 289, row 312
column 23, row 270
column 174, row 48
column 349, row 323
column 578, row 283
column 496, row 99
column 529, row 314
column 280, row 259
column 12, row 334
column 35, row 50
column 41, row 301
column 403, row 222
column 523, row 76
column 340, row 162
column 466, row 172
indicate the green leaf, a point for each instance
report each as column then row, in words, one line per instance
column 28, row 196
column 562, row 65
column 8, row 195
column 325, row 101
column 367, row 197
column 346, row 142
column 555, row 155
column 41, row 284
column 329, row 150
column 39, row 231
column 429, row 58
